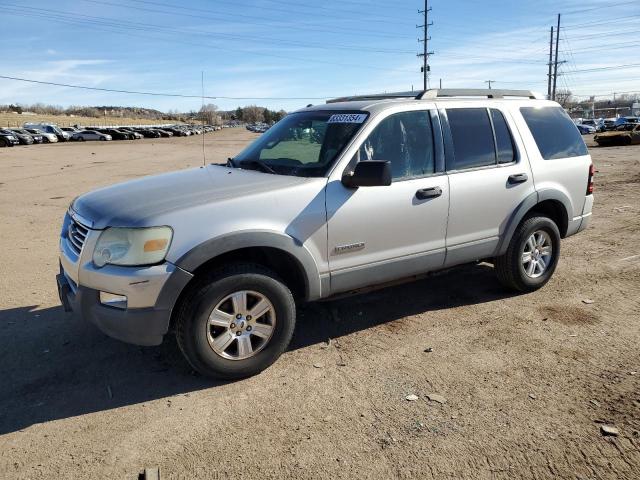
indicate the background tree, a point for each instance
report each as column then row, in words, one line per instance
column 563, row 97
column 209, row 113
column 252, row 114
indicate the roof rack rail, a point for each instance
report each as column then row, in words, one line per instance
column 442, row 93
column 475, row 92
column 377, row 96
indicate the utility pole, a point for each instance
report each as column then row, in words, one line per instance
column 555, row 66
column 425, row 44
column 550, row 65
column 489, row 82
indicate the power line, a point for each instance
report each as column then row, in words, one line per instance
column 157, row 94
column 607, row 6
column 274, row 9
column 606, row 94
column 154, row 27
column 107, row 27
column 245, row 19
column 610, row 67
column 603, row 22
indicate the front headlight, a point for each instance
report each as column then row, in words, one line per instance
column 132, row 246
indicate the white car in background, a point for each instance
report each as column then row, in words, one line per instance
column 90, row 135
column 47, row 137
column 50, row 128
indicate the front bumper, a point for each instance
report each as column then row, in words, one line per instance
column 140, row 326
column 151, row 291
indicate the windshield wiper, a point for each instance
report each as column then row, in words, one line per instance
column 257, row 163
column 231, row 162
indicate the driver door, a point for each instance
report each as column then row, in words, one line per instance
column 379, row 234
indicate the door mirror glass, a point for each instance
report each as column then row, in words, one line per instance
column 372, row 173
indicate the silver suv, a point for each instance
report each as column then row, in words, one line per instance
column 358, row 192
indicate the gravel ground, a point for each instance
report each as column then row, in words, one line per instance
column 527, row 381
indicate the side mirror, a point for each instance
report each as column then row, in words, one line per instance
column 369, row 173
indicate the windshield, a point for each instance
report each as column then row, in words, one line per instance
column 303, row 144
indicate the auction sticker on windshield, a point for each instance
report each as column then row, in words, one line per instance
column 347, row 118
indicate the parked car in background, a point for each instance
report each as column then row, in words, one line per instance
column 70, row 130
column 22, row 138
column 47, row 137
column 177, row 132
column 593, row 122
column 608, row 124
column 625, row 134
column 586, row 129
column 90, row 135
column 50, row 128
column 115, row 133
column 624, row 120
column 134, row 134
column 148, row 133
column 163, row 133
column 37, row 138
column 8, row 138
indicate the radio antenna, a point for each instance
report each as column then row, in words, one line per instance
column 204, row 158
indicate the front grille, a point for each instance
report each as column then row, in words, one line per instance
column 76, row 234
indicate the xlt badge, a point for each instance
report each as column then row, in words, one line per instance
column 349, row 248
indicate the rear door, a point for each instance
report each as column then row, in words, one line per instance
column 489, row 176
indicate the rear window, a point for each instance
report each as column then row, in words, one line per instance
column 472, row 137
column 554, row 132
column 504, row 142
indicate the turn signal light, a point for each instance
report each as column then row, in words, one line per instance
column 155, row 245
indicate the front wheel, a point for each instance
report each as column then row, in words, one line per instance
column 236, row 321
column 532, row 255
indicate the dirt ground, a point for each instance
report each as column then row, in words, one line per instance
column 528, row 379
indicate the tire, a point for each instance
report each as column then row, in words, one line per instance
column 3, row 143
column 511, row 269
column 197, row 339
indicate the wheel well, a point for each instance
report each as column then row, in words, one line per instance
column 556, row 211
column 280, row 262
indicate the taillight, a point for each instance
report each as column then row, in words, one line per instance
column 592, row 170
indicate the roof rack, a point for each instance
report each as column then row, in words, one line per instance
column 377, row 96
column 474, row 92
column 441, row 93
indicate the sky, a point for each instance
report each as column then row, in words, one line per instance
column 287, row 54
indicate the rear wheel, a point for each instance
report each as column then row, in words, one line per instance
column 532, row 255
column 236, row 321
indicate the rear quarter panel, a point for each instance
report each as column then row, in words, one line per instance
column 568, row 176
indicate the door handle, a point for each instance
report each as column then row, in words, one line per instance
column 517, row 178
column 425, row 193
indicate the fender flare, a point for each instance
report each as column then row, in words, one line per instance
column 217, row 246
column 525, row 206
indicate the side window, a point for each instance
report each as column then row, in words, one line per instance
column 472, row 136
column 504, row 141
column 406, row 140
column 554, row 132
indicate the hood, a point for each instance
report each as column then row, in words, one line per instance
column 137, row 202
